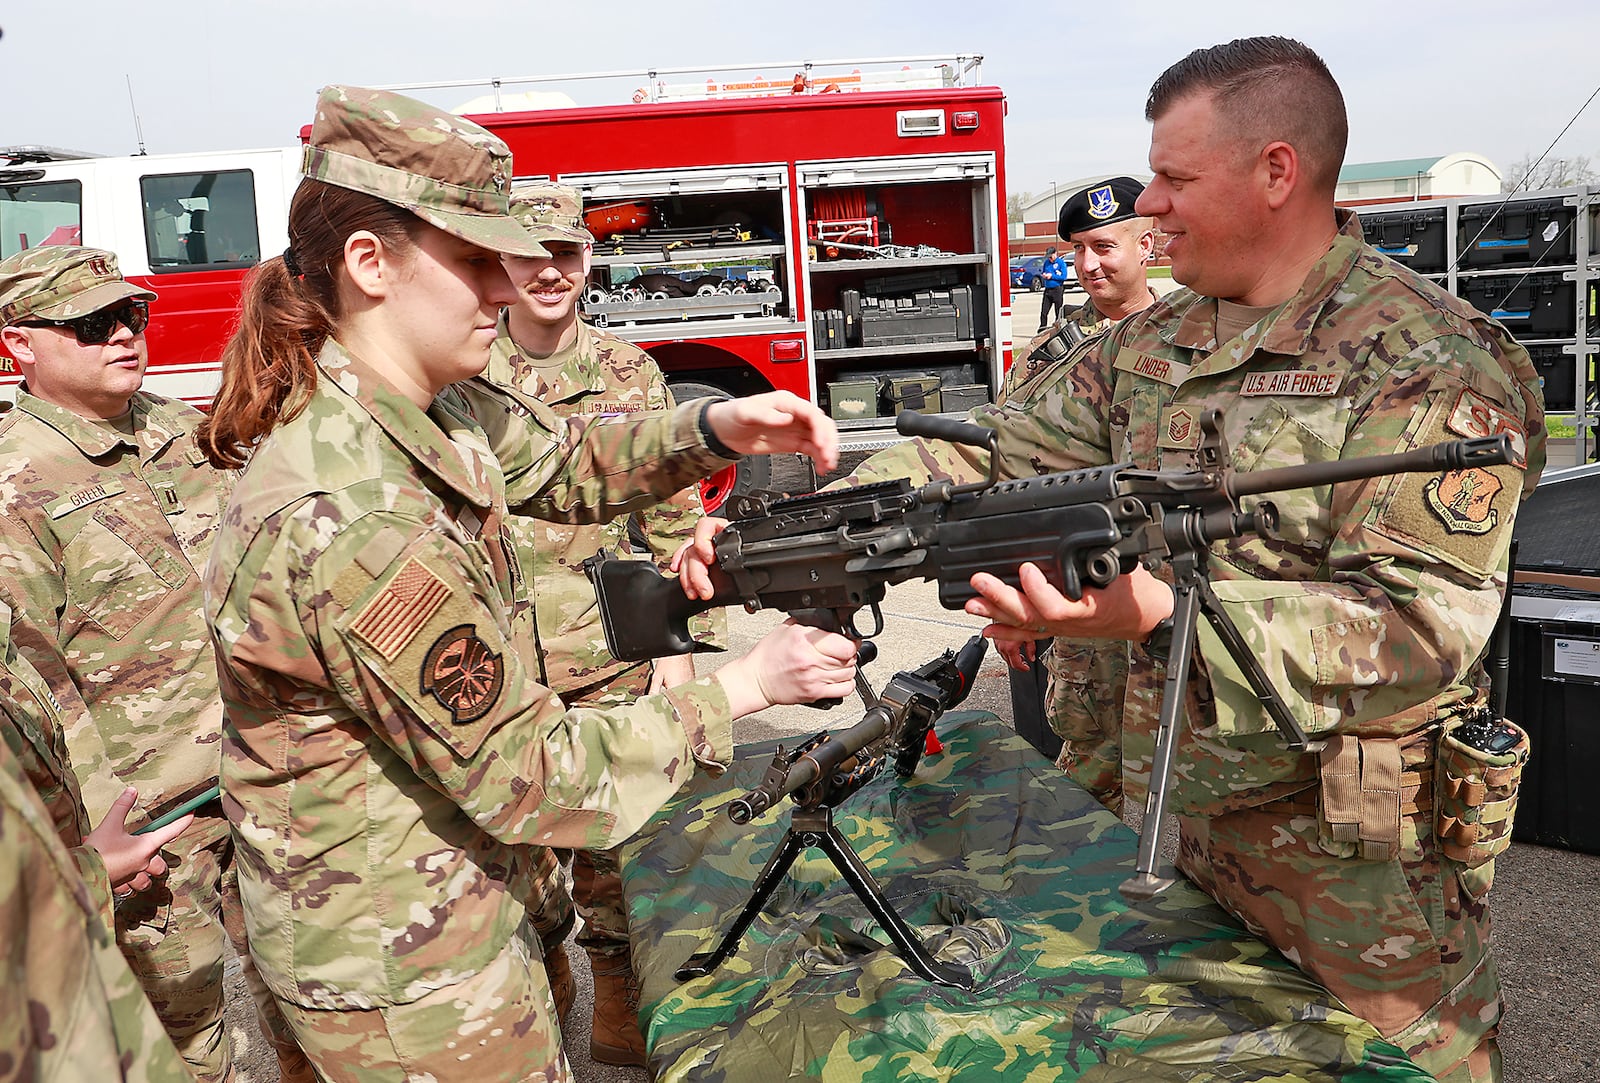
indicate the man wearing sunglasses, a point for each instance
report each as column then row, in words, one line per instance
column 107, row 510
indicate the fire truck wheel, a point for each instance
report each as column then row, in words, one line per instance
column 750, row 473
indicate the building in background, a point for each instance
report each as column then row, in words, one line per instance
column 1406, row 179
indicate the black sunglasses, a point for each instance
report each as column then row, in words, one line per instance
column 96, row 328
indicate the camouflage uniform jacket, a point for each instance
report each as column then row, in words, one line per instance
column 1370, row 612
column 35, row 721
column 1026, row 369
column 387, row 749
column 104, row 536
column 70, row 1008
column 599, row 374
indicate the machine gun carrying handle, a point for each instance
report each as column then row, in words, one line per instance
column 911, row 423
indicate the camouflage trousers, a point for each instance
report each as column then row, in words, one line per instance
column 596, row 890
column 499, row 1024
column 1404, row 943
column 1083, row 705
column 174, row 938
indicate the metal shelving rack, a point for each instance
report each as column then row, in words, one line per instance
column 1582, row 270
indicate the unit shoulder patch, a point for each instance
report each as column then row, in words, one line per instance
column 1463, row 500
column 463, row 674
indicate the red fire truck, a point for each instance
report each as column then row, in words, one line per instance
column 838, row 232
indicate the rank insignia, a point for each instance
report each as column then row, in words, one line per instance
column 1463, row 500
column 1102, row 203
column 1180, row 428
column 462, row 673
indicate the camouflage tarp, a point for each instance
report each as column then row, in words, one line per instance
column 1003, row 864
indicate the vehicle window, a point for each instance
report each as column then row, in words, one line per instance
column 200, row 220
column 50, row 212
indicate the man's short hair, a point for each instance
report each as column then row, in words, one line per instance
column 1266, row 89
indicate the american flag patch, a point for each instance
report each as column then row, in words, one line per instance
column 401, row 609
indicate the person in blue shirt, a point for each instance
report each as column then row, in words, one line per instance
column 1055, row 274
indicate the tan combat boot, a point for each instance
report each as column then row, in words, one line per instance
column 563, row 987
column 615, row 1037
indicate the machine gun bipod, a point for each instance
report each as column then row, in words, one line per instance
column 825, row 771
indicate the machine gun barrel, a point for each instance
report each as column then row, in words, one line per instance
column 1454, row 455
column 814, row 766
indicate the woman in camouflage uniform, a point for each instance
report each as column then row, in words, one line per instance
column 388, row 755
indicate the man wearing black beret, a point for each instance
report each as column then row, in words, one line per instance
column 1111, row 246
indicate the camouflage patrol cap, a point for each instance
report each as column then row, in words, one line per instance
column 446, row 170
column 61, row 282
column 550, row 212
column 1100, row 204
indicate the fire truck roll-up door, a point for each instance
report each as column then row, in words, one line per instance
column 906, row 251
column 727, row 222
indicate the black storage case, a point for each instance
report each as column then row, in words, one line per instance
column 1538, row 305
column 850, row 303
column 908, row 326
column 1554, row 694
column 819, row 329
column 907, row 282
column 836, row 338
column 1520, row 233
column 1557, row 375
column 1413, row 238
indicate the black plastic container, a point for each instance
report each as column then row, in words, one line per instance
column 1554, row 694
column 1413, row 238
column 1537, row 305
column 1520, row 233
column 1557, row 375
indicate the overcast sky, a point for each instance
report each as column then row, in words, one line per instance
column 1423, row 78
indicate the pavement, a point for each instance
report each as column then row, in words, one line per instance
column 1544, row 900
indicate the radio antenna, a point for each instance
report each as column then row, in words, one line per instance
column 138, row 128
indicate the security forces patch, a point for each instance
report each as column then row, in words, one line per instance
column 463, row 674
column 1463, row 500
column 1102, row 203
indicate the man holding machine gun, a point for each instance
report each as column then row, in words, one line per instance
column 1372, row 605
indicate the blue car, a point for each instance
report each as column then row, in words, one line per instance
column 1025, row 273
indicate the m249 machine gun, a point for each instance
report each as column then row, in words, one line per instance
column 825, row 557
column 825, row 771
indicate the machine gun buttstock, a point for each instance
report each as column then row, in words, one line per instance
column 627, row 588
